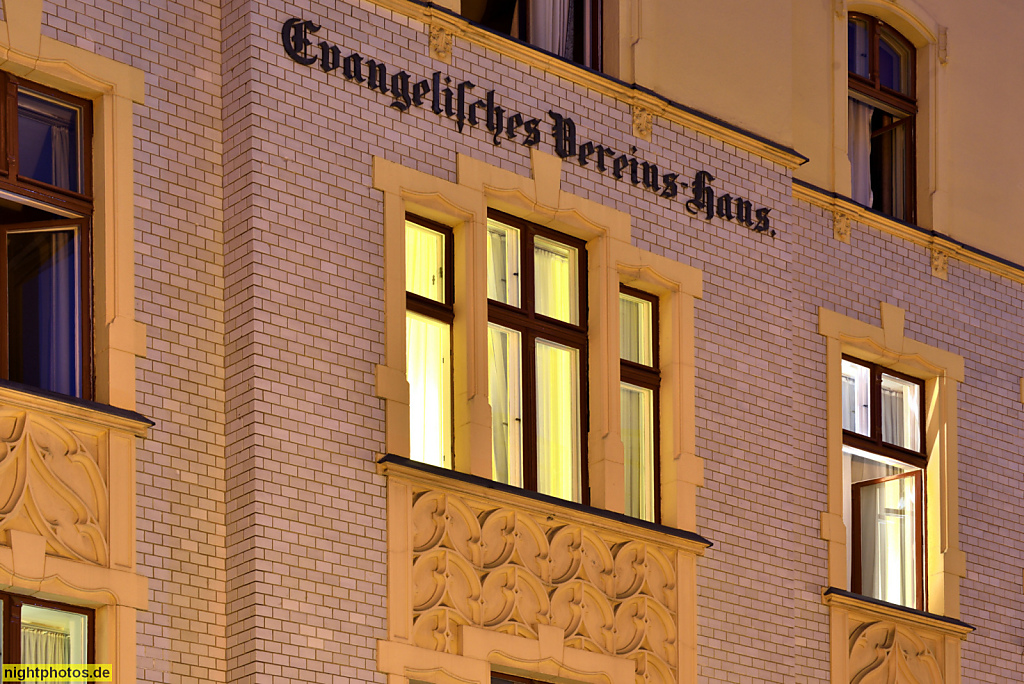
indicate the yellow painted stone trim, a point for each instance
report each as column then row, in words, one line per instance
column 880, row 612
column 529, row 56
column 941, row 370
column 952, row 250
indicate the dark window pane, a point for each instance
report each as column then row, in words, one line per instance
column 43, row 310
column 49, row 144
column 857, row 46
column 893, row 64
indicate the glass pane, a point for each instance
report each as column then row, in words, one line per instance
column 53, row 637
column 636, row 329
column 49, row 141
column 43, row 315
column 424, row 261
column 502, row 263
column 504, row 356
column 893, row 63
column 858, row 48
column 888, row 164
column 888, row 544
column 856, row 398
column 638, row 444
column 558, row 421
column 555, row 279
column 901, row 412
column 428, row 361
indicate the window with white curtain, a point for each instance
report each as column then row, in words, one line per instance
column 45, row 633
column 537, row 347
column 568, row 28
column 882, row 112
column 45, row 239
column 638, row 394
column 883, row 469
column 428, row 321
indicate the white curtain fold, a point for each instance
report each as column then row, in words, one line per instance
column 558, row 420
column 549, row 25
column 45, row 646
column 859, row 152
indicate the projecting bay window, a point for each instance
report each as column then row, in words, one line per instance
column 537, row 343
column 638, row 390
column 884, row 463
column 428, row 323
column 567, row 28
column 882, row 112
column 45, row 225
column 44, row 633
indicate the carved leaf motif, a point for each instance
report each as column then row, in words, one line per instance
column 652, row 670
column 883, row 653
column 511, row 537
column 643, row 624
column 512, row 594
column 581, row 610
column 437, row 630
column 50, row 485
column 441, row 520
column 598, row 564
column 441, row 577
column 565, row 557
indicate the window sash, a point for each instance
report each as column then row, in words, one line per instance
column 40, row 617
column 428, row 369
column 638, row 410
column 867, row 432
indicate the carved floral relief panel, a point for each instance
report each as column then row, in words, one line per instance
column 480, row 563
column 52, row 483
column 883, row 652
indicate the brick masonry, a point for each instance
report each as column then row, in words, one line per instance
column 259, row 275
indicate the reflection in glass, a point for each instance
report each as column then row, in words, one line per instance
column 638, row 444
column 636, row 329
column 424, row 261
column 428, row 361
column 856, row 398
column 558, row 420
column 504, row 355
column 43, row 310
column 556, row 277
column 49, row 141
column 894, row 61
column 858, row 48
column 502, row 263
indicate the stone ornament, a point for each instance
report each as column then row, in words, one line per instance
column 480, row 564
column 841, row 228
column 441, row 44
column 643, row 123
column 940, row 263
column 884, row 653
column 51, row 485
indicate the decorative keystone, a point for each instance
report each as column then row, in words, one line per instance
column 441, row 44
column 643, row 122
column 841, row 226
column 940, row 263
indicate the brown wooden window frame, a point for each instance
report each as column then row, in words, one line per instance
column 871, row 91
column 63, row 202
column 11, row 615
column 512, row 18
column 532, row 326
column 874, row 444
column 648, row 377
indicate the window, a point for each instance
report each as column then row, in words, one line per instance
column 568, row 28
column 428, row 321
column 45, row 633
column 45, row 212
column 639, row 401
column 537, row 357
column 882, row 111
column 884, row 464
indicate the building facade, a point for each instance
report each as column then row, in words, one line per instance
column 491, row 341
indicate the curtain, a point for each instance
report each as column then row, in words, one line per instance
column 554, row 279
column 549, row 26
column 61, row 156
column 859, row 152
column 45, row 646
column 893, row 422
column 849, row 403
column 888, row 544
column 504, row 394
column 637, row 410
column 558, row 420
column 428, row 371
column 424, row 262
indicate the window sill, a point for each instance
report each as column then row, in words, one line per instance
column 883, row 610
column 534, row 500
column 67, row 406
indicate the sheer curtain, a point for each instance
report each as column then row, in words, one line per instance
column 45, row 646
column 888, row 545
column 859, row 151
column 504, row 394
column 558, row 420
column 429, row 373
column 549, row 25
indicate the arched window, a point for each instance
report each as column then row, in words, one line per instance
column 883, row 108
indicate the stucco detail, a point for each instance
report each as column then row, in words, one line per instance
column 441, row 44
column 643, row 122
column 887, row 652
column 841, row 227
column 940, row 263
